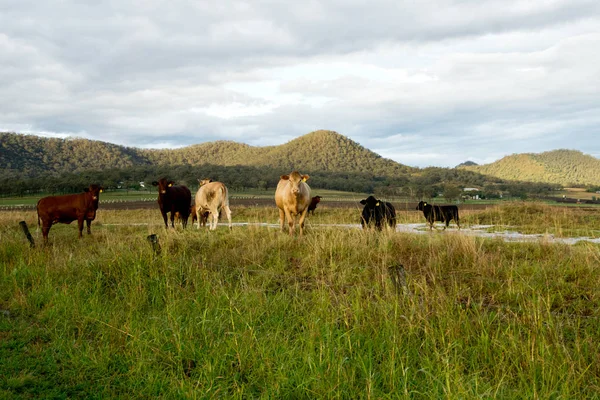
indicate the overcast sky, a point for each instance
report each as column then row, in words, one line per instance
column 421, row 82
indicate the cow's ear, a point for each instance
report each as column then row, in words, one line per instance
column 154, row 183
column 171, row 183
column 305, row 178
column 424, row 204
column 101, row 190
column 285, row 177
column 377, row 204
column 363, row 202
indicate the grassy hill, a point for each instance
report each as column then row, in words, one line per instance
column 565, row 167
column 316, row 151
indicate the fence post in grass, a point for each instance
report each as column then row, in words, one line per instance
column 27, row 234
column 398, row 276
column 153, row 239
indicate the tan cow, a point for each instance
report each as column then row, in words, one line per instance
column 292, row 198
column 212, row 197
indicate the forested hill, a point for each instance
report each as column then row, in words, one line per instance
column 317, row 151
column 565, row 167
column 27, row 155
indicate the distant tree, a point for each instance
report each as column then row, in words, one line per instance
column 452, row 192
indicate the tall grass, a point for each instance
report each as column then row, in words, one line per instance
column 257, row 313
column 541, row 218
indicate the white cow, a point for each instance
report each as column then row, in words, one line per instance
column 292, row 198
column 212, row 197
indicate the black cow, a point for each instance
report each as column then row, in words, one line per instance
column 173, row 199
column 439, row 213
column 377, row 212
column 313, row 204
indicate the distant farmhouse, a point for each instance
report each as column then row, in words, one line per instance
column 473, row 196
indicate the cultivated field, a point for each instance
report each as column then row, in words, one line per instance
column 338, row 313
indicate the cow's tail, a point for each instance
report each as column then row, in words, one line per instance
column 37, row 209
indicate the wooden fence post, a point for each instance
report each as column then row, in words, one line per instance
column 398, row 277
column 153, row 239
column 27, row 234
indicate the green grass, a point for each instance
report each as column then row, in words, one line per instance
column 254, row 313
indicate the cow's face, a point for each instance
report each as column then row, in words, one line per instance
column 294, row 181
column 94, row 190
column 163, row 184
column 370, row 202
column 369, row 212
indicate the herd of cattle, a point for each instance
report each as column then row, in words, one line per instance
column 292, row 198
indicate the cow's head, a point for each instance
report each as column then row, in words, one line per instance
column 370, row 202
column 316, row 199
column 163, row 184
column 204, row 181
column 295, row 179
column 94, row 190
column 421, row 205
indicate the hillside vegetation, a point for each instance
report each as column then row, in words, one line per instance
column 565, row 167
column 30, row 165
column 32, row 155
column 316, row 151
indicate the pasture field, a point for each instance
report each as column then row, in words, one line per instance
column 133, row 195
column 338, row 313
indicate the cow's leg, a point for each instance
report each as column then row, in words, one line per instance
column 45, row 229
column 214, row 214
column 164, row 215
column 80, row 226
column 228, row 215
column 457, row 223
column 89, row 225
column 301, row 221
column 291, row 221
column 184, row 218
column 281, row 219
column 198, row 216
column 173, row 219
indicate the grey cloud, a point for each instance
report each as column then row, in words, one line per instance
column 141, row 73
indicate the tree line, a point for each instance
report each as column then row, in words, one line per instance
column 428, row 183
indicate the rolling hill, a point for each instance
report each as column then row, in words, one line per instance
column 316, row 151
column 28, row 156
column 564, row 167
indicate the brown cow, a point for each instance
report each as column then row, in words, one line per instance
column 313, row 204
column 212, row 197
column 68, row 208
column 173, row 199
column 292, row 197
column 203, row 216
